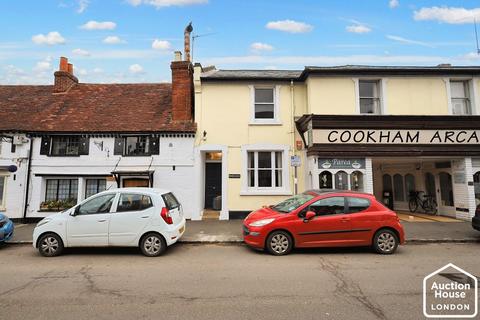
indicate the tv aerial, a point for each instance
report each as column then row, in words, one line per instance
column 476, row 35
column 195, row 36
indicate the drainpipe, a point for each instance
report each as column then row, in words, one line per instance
column 27, row 184
column 292, row 108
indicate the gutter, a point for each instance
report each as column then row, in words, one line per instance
column 27, row 185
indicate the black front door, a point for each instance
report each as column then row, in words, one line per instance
column 213, row 183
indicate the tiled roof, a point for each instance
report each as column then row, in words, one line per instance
column 102, row 108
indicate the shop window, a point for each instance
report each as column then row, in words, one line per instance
column 61, row 190
column 265, row 169
column 369, row 91
column 341, row 180
column 430, row 184
column 398, row 190
column 476, row 184
column 446, row 189
column 328, row 206
column 387, row 182
column 409, row 184
column 94, row 186
column 460, row 97
column 3, row 182
column 356, row 181
column 326, row 181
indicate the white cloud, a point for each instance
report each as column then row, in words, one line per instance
column 450, row 15
column 166, row 3
column 51, row 38
column 81, row 52
column 82, row 5
column 113, row 40
column 358, row 28
column 289, row 26
column 393, row 4
column 97, row 70
column 259, row 47
column 136, row 69
column 161, row 45
column 44, row 65
column 409, row 41
column 96, row 25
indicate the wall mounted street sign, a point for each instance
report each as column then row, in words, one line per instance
column 386, row 136
column 295, row 161
column 341, row 163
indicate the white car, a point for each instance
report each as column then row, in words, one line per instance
column 151, row 219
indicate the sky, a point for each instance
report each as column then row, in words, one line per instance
column 134, row 40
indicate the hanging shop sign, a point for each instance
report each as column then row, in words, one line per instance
column 341, row 163
column 381, row 136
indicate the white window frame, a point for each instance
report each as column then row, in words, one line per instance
column 284, row 189
column 472, row 93
column 276, row 105
column 3, row 204
column 382, row 95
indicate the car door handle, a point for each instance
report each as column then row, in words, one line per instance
column 145, row 217
column 345, row 219
column 102, row 220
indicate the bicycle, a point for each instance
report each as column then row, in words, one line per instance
column 428, row 203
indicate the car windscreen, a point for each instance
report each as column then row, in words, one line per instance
column 170, row 201
column 293, row 203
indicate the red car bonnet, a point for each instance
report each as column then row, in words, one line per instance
column 263, row 213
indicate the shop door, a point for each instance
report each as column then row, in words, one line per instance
column 136, row 182
column 445, row 199
column 213, row 183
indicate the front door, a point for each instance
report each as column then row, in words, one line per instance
column 136, row 182
column 445, row 199
column 213, row 183
column 330, row 227
column 89, row 226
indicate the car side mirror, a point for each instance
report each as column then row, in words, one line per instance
column 309, row 216
column 75, row 211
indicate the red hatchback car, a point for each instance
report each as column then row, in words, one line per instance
column 324, row 219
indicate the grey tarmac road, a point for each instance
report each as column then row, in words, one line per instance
column 222, row 282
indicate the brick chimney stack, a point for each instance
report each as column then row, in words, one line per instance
column 64, row 78
column 182, row 83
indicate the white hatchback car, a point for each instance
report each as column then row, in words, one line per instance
column 149, row 218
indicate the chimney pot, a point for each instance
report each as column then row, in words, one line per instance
column 63, row 64
column 177, row 56
column 188, row 31
column 70, row 68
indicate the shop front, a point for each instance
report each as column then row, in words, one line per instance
column 397, row 158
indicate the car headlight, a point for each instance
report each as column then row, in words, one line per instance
column 44, row 221
column 261, row 223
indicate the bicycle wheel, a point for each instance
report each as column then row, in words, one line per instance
column 413, row 205
column 430, row 206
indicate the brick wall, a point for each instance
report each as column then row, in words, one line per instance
column 182, row 91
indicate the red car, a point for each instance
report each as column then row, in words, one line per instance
column 324, row 219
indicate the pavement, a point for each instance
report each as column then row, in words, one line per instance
column 216, row 281
column 215, row 231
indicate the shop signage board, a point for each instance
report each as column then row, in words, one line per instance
column 387, row 136
column 341, row 163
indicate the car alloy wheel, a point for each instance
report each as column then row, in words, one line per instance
column 50, row 245
column 385, row 242
column 279, row 243
column 153, row 245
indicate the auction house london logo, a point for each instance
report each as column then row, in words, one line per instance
column 450, row 292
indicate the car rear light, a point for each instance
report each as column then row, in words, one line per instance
column 166, row 216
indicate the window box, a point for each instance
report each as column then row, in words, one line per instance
column 57, row 205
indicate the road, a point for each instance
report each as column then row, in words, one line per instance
column 222, row 282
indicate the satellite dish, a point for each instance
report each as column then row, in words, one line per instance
column 12, row 168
